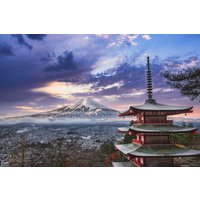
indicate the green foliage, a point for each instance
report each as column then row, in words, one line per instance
column 128, row 138
column 187, row 81
column 185, row 139
column 107, row 147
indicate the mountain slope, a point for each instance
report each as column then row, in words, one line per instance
column 85, row 108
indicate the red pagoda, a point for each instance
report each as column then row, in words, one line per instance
column 152, row 146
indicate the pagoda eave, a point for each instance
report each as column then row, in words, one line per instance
column 129, row 112
column 187, row 110
column 134, row 111
column 136, row 150
column 163, row 151
column 162, row 129
column 127, row 148
column 189, row 154
column 123, row 130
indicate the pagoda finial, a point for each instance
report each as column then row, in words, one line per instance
column 149, row 83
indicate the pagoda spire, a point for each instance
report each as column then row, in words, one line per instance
column 149, row 83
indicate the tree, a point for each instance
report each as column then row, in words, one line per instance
column 107, row 147
column 128, row 138
column 187, row 81
column 184, row 139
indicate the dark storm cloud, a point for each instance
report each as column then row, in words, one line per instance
column 28, row 74
column 48, row 57
column 71, row 68
column 64, row 62
column 19, row 77
column 38, row 37
column 6, row 50
column 21, row 41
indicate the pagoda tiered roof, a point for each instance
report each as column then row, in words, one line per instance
column 163, row 150
column 149, row 128
column 156, row 107
column 160, row 107
column 127, row 148
column 123, row 129
column 156, row 150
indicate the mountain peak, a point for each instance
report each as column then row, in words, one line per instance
column 85, row 101
column 89, row 104
column 85, row 108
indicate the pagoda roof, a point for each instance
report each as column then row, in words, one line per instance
column 160, row 107
column 164, row 151
column 123, row 129
column 127, row 148
column 149, row 128
column 156, row 107
column 156, row 150
column 122, row 164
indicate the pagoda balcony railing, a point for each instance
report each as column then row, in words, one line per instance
column 159, row 142
column 167, row 122
column 170, row 122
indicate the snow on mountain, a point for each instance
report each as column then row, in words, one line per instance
column 85, row 108
column 84, row 111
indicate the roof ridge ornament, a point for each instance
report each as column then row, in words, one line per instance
column 149, row 84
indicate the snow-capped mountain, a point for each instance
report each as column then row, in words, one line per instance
column 84, row 111
column 85, row 108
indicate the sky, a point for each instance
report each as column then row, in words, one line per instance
column 42, row 72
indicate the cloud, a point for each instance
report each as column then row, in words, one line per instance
column 127, row 78
column 119, row 39
column 163, row 90
column 6, row 50
column 64, row 62
column 86, row 38
column 21, row 41
column 105, row 36
column 126, row 40
column 31, row 109
column 64, row 90
column 135, row 92
column 146, row 37
column 175, row 63
column 26, row 72
column 114, row 85
column 105, row 63
column 38, row 37
column 48, row 57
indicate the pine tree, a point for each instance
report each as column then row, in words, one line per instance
column 187, row 81
column 128, row 138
